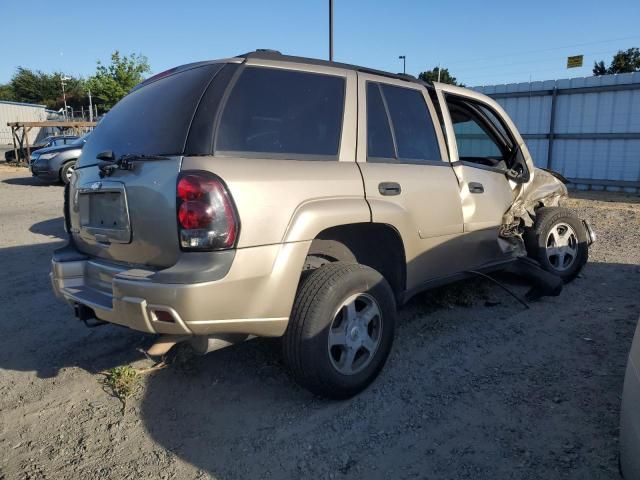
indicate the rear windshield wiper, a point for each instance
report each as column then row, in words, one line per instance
column 109, row 163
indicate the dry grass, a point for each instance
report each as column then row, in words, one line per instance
column 123, row 382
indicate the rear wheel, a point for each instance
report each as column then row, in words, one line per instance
column 67, row 171
column 341, row 329
column 558, row 241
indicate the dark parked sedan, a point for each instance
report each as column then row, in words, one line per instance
column 57, row 163
column 52, row 141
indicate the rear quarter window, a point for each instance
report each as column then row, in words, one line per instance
column 153, row 119
column 283, row 114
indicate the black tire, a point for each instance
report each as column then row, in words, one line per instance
column 306, row 341
column 538, row 242
column 64, row 171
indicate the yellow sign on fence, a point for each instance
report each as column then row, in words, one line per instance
column 575, row 61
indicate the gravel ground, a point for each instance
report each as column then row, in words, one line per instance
column 476, row 387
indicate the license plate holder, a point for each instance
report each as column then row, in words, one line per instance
column 104, row 213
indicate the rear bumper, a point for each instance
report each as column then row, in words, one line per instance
column 253, row 297
column 630, row 414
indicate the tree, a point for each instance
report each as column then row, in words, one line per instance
column 112, row 82
column 43, row 88
column 625, row 61
column 431, row 76
column 599, row 68
column 6, row 92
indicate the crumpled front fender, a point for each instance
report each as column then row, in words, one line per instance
column 545, row 189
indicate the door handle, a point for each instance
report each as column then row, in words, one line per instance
column 475, row 187
column 389, row 188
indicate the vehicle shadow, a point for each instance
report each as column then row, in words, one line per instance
column 39, row 332
column 30, row 181
column 474, row 388
column 485, row 382
column 50, row 228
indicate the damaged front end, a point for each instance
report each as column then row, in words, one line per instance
column 546, row 189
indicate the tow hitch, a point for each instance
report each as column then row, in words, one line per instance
column 87, row 315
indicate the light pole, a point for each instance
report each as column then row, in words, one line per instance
column 90, row 108
column 404, row 63
column 64, row 96
column 330, row 30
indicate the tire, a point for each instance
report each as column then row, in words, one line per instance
column 66, row 171
column 322, row 314
column 558, row 241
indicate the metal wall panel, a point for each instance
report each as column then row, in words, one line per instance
column 606, row 107
column 19, row 112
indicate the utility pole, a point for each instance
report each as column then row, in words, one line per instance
column 64, row 96
column 90, row 108
column 404, row 63
column 331, row 30
column 438, row 73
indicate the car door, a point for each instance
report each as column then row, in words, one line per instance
column 408, row 180
column 483, row 147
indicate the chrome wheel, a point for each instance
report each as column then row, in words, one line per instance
column 355, row 334
column 69, row 171
column 562, row 246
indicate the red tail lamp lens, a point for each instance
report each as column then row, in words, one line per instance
column 194, row 187
column 206, row 215
column 195, row 214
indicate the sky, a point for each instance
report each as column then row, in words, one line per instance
column 482, row 43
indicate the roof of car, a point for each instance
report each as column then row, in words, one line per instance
column 268, row 54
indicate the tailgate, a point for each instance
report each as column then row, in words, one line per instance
column 128, row 217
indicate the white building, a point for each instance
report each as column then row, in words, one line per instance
column 20, row 112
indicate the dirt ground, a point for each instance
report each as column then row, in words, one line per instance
column 476, row 386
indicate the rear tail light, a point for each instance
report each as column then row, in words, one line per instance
column 207, row 218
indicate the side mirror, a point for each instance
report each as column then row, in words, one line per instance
column 518, row 171
column 106, row 156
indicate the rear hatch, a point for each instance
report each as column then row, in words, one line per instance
column 128, row 216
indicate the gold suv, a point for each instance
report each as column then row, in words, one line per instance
column 268, row 195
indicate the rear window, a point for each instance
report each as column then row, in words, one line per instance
column 154, row 119
column 283, row 113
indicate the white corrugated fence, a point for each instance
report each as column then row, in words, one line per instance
column 588, row 129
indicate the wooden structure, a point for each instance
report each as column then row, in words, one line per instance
column 20, row 132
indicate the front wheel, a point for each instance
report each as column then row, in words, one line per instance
column 67, row 171
column 559, row 241
column 341, row 329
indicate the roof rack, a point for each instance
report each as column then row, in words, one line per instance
column 269, row 54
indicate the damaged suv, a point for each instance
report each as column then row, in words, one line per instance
column 268, row 195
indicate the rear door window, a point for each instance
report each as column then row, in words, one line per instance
column 412, row 131
column 379, row 139
column 283, row 113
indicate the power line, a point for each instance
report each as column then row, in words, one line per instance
column 525, row 62
column 525, row 52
